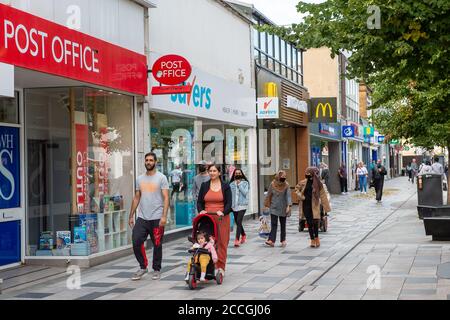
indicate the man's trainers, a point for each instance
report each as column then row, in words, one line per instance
column 139, row 274
column 156, row 275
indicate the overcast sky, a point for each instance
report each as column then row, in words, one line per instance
column 282, row 12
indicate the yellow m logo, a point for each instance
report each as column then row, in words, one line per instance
column 324, row 110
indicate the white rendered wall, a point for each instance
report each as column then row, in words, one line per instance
column 211, row 37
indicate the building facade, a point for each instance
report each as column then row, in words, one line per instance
column 74, row 80
column 217, row 121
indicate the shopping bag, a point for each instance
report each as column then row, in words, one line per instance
column 264, row 225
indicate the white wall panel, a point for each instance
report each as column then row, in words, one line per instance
column 208, row 35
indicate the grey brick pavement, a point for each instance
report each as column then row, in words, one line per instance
column 408, row 261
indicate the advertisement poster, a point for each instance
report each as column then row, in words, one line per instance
column 101, row 167
column 9, row 168
column 89, row 223
column 82, row 183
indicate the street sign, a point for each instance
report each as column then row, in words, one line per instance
column 380, row 139
column 393, row 141
column 348, row 131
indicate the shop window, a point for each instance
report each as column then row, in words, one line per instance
column 172, row 142
column 9, row 109
column 80, row 168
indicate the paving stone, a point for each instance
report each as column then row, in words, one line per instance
column 99, row 284
column 92, row 296
column 444, row 271
column 249, row 290
column 419, row 292
column 34, row 295
column 421, row 280
column 126, row 275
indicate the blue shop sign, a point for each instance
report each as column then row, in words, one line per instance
column 380, row 139
column 9, row 168
column 348, row 132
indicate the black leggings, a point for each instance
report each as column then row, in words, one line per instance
column 313, row 225
column 238, row 218
column 274, row 224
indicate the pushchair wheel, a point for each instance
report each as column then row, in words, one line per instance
column 191, row 282
column 219, row 278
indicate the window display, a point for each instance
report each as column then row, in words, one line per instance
column 80, row 170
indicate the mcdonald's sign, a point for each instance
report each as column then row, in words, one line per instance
column 323, row 110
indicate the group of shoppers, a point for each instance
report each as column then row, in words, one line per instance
column 212, row 195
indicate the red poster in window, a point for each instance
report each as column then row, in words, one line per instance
column 82, row 185
column 103, row 164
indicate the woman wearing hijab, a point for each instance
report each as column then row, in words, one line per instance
column 312, row 194
column 278, row 201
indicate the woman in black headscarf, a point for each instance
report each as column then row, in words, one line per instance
column 312, row 194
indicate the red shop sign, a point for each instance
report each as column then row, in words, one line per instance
column 171, row 69
column 34, row 43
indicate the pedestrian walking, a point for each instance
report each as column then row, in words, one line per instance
column 201, row 177
column 378, row 176
column 176, row 176
column 362, row 174
column 239, row 189
column 409, row 171
column 414, row 169
column 437, row 167
column 215, row 198
column 278, row 201
column 325, row 174
column 151, row 200
column 342, row 172
column 426, row 168
column 312, row 195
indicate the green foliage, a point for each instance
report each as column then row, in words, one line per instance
column 406, row 62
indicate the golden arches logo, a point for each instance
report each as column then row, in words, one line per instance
column 324, row 109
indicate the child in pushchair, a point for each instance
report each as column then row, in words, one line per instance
column 204, row 256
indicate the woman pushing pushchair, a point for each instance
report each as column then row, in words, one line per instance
column 215, row 197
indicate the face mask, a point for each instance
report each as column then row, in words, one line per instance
column 282, row 179
column 238, row 177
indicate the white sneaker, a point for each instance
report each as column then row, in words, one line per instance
column 187, row 276
column 342, row 192
column 139, row 274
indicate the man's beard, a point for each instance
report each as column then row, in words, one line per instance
column 150, row 167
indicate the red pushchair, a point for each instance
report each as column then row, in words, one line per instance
column 203, row 223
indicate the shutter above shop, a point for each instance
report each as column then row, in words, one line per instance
column 288, row 114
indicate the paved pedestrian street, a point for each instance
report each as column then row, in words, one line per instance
column 370, row 251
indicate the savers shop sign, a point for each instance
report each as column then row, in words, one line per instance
column 9, row 168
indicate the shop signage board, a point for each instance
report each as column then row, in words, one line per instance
column 380, row 139
column 323, row 110
column 268, row 108
column 297, row 104
column 211, row 97
column 369, row 131
column 348, row 132
column 9, row 168
column 327, row 129
column 394, row 141
column 34, row 43
column 171, row 70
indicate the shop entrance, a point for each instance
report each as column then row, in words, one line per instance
column 11, row 186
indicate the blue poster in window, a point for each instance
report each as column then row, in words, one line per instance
column 9, row 168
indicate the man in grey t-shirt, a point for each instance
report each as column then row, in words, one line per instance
column 151, row 200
